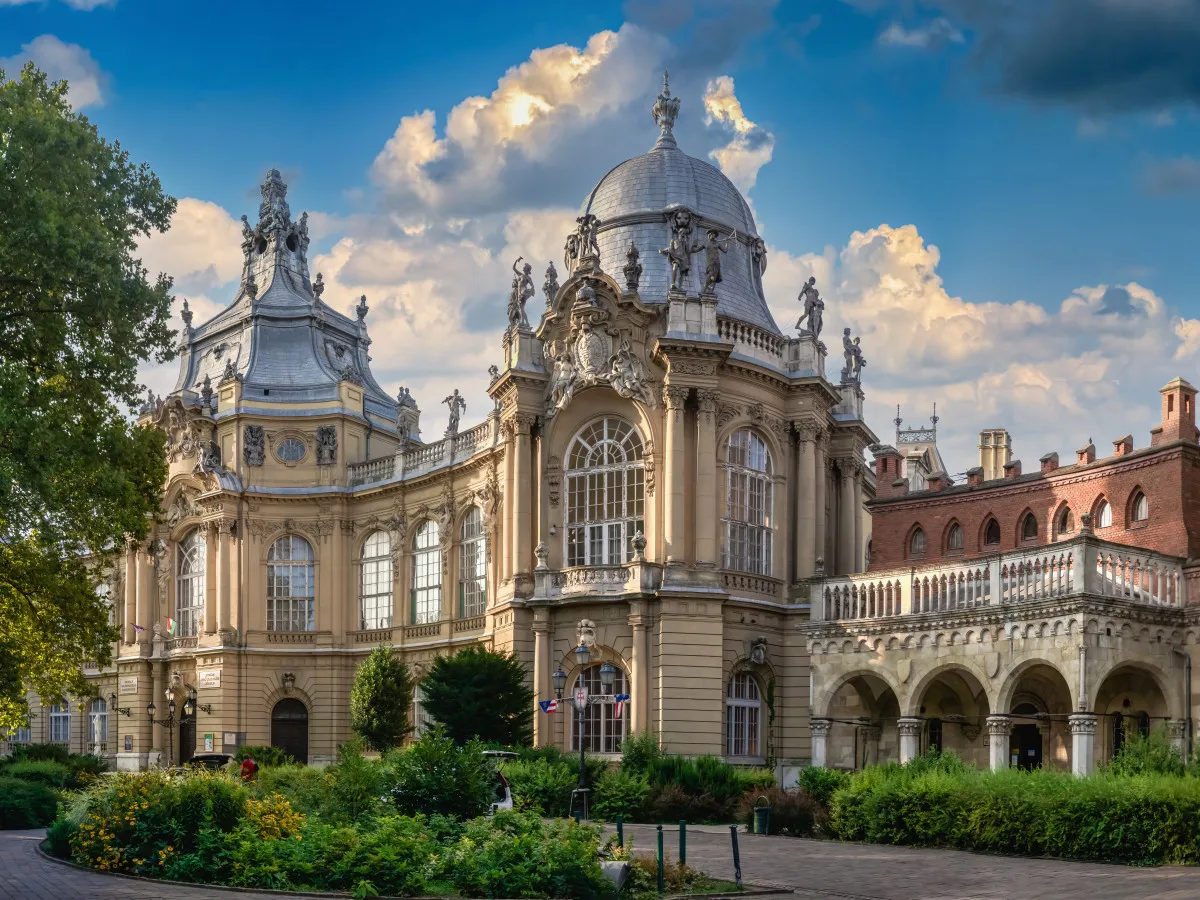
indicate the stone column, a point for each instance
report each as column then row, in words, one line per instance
column 846, row 517
column 1083, row 743
column 131, row 589
column 639, row 675
column 820, row 487
column 999, row 729
column 820, row 741
column 145, row 600
column 707, row 512
column 224, row 572
column 870, row 738
column 859, row 546
column 806, row 504
column 542, row 688
column 522, row 497
column 212, row 575
column 507, row 529
column 910, row 738
column 674, row 526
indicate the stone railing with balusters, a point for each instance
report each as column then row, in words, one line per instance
column 425, row 457
column 751, row 341
column 1082, row 565
column 630, row 578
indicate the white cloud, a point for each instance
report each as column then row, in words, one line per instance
column 750, row 147
column 201, row 250
column 1052, row 377
column 86, row 82
column 933, row 35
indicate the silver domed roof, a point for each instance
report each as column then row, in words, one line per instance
column 634, row 199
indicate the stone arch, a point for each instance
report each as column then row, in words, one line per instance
column 774, row 446
column 1171, row 694
column 1058, row 527
column 859, row 703
column 1023, row 519
column 1013, row 682
column 961, row 675
column 909, row 551
column 1097, row 505
column 873, row 679
column 561, row 430
column 1131, row 502
column 945, row 540
column 981, row 535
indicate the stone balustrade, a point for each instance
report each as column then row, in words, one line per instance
column 616, row 580
column 372, row 471
column 750, row 341
column 1081, row 565
column 417, row 460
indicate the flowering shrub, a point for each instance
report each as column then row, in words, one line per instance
column 273, row 818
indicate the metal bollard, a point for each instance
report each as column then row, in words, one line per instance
column 661, row 883
column 737, row 859
column 682, row 842
column 620, row 831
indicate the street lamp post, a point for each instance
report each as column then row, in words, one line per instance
column 582, row 700
column 169, row 723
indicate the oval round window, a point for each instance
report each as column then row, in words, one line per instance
column 291, row 450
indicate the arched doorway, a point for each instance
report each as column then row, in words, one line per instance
column 187, row 739
column 954, row 707
column 289, row 728
column 1038, row 702
column 862, row 714
column 1025, row 743
column 1130, row 702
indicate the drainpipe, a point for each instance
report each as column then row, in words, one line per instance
column 1187, row 702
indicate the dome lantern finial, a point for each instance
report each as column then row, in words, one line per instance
column 665, row 111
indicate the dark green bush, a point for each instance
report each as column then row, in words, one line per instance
column 80, row 768
column 58, row 838
column 49, row 773
column 821, row 783
column 620, row 793
column 58, row 753
column 435, row 776
column 309, row 790
column 26, row 804
column 1150, row 755
column 792, row 812
column 265, row 756
column 539, row 785
column 703, row 789
column 639, row 751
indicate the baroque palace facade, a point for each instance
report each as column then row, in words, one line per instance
column 661, row 476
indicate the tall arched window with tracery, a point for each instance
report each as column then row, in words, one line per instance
column 375, row 582
column 604, row 728
column 748, row 523
column 189, row 583
column 427, row 574
column 743, row 723
column 291, row 585
column 472, row 565
column 606, row 494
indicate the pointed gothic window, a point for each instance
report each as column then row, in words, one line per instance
column 916, row 544
column 606, row 494
column 954, row 540
column 991, row 533
column 1103, row 515
column 1029, row 528
column 748, row 522
column 1141, row 508
column 1066, row 521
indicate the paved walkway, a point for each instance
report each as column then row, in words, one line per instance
column 812, row 870
column 819, row 870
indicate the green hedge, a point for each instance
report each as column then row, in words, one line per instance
column 48, row 773
column 1142, row 819
column 26, row 804
column 39, row 762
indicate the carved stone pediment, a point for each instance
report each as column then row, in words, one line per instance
column 182, row 507
column 187, row 428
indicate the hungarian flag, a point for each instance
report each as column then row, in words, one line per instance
column 548, row 706
column 170, row 625
column 621, row 699
column 138, row 629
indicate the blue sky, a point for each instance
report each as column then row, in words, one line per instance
column 1043, row 153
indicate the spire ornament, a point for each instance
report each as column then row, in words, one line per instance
column 550, row 285
column 319, row 286
column 362, row 309
column 665, row 111
column 632, row 268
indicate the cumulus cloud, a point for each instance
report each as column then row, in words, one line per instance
column 1052, row 376
column 1167, row 177
column 200, row 251
column 750, row 147
column 933, row 35
column 61, row 61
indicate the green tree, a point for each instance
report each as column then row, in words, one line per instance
column 78, row 313
column 379, row 700
column 480, row 693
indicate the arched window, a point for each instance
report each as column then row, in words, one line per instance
column 1029, row 531
column 472, row 565
column 991, row 533
column 189, row 583
column 743, row 705
column 954, row 539
column 916, row 543
column 1103, row 514
column 419, row 715
column 1066, row 521
column 290, row 585
column 375, row 582
column 60, row 723
column 427, row 574
column 1140, row 510
column 98, row 726
column 748, row 504
column 603, row 729
column 605, row 494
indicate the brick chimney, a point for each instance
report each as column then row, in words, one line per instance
column 995, row 452
column 887, row 471
column 1049, row 463
column 1123, row 446
column 1178, row 414
column 1013, row 469
column 937, row 482
column 975, row 476
column 1085, row 454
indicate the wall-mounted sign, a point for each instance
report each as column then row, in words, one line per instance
column 210, row 678
column 128, row 684
column 230, row 738
column 128, row 743
column 208, row 743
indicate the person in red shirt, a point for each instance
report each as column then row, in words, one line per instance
column 249, row 768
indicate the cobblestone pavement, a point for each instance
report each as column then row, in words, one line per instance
column 821, row 870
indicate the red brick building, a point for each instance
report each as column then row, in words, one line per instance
column 1148, row 498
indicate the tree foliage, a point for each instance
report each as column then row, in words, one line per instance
column 483, row 694
column 379, row 700
column 78, row 313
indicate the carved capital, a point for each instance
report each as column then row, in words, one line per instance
column 523, row 423
column 999, row 726
column 674, row 396
column 821, row 727
column 708, row 401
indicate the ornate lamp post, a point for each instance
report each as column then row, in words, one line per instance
column 168, row 723
column 582, row 700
